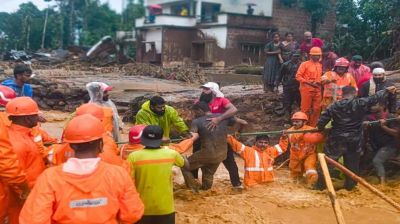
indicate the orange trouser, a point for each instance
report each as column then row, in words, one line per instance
column 311, row 103
column 300, row 163
column 14, row 208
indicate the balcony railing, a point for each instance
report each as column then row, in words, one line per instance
column 166, row 20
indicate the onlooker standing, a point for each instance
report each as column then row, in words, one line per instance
column 22, row 74
column 287, row 76
column 360, row 72
column 308, row 43
column 289, row 46
column 272, row 62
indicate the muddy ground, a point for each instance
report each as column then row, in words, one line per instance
column 281, row 202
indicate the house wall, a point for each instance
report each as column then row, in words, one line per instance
column 153, row 35
column 177, row 43
column 218, row 33
column 296, row 20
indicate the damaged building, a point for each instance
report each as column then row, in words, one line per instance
column 216, row 33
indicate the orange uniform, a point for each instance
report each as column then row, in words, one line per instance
column 333, row 86
column 180, row 147
column 108, row 119
column 310, row 72
column 107, row 195
column 303, row 157
column 258, row 164
column 31, row 161
column 12, row 176
column 62, row 152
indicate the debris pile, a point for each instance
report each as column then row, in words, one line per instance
column 185, row 74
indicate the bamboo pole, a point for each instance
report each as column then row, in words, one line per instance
column 363, row 182
column 282, row 164
column 331, row 189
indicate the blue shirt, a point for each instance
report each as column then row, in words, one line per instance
column 25, row 90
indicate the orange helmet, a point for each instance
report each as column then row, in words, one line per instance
column 135, row 133
column 6, row 94
column 83, row 128
column 313, row 138
column 300, row 116
column 92, row 109
column 22, row 106
column 316, row 51
column 342, row 62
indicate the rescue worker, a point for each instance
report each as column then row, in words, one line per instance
column 287, row 77
column 152, row 174
column 309, row 77
column 134, row 142
column 23, row 114
column 328, row 59
column 382, row 138
column 12, row 176
column 377, row 83
column 303, row 157
column 213, row 147
column 361, row 73
column 156, row 112
column 22, row 74
column 99, row 94
column 345, row 137
column 258, row 159
column 333, row 82
column 110, row 151
column 223, row 109
column 84, row 189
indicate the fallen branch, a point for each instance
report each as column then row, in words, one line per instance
column 363, row 182
column 331, row 189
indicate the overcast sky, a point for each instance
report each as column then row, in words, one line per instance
column 12, row 5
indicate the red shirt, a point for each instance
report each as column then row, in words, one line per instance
column 218, row 105
column 315, row 42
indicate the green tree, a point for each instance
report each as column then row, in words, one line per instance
column 318, row 10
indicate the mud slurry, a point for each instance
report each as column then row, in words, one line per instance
column 281, row 202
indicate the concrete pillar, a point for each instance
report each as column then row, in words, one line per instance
column 198, row 11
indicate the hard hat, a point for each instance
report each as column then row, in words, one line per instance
column 22, row 106
column 135, row 133
column 300, row 116
column 313, row 138
column 90, row 108
column 6, row 94
column 315, row 51
column 83, row 128
column 342, row 62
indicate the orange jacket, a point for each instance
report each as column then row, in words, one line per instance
column 62, row 152
column 107, row 196
column 27, row 152
column 309, row 71
column 334, row 89
column 12, row 176
column 180, row 147
column 108, row 119
column 298, row 148
column 258, row 164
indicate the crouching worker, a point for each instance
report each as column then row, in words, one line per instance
column 84, row 189
column 152, row 173
column 258, row 159
column 303, row 157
